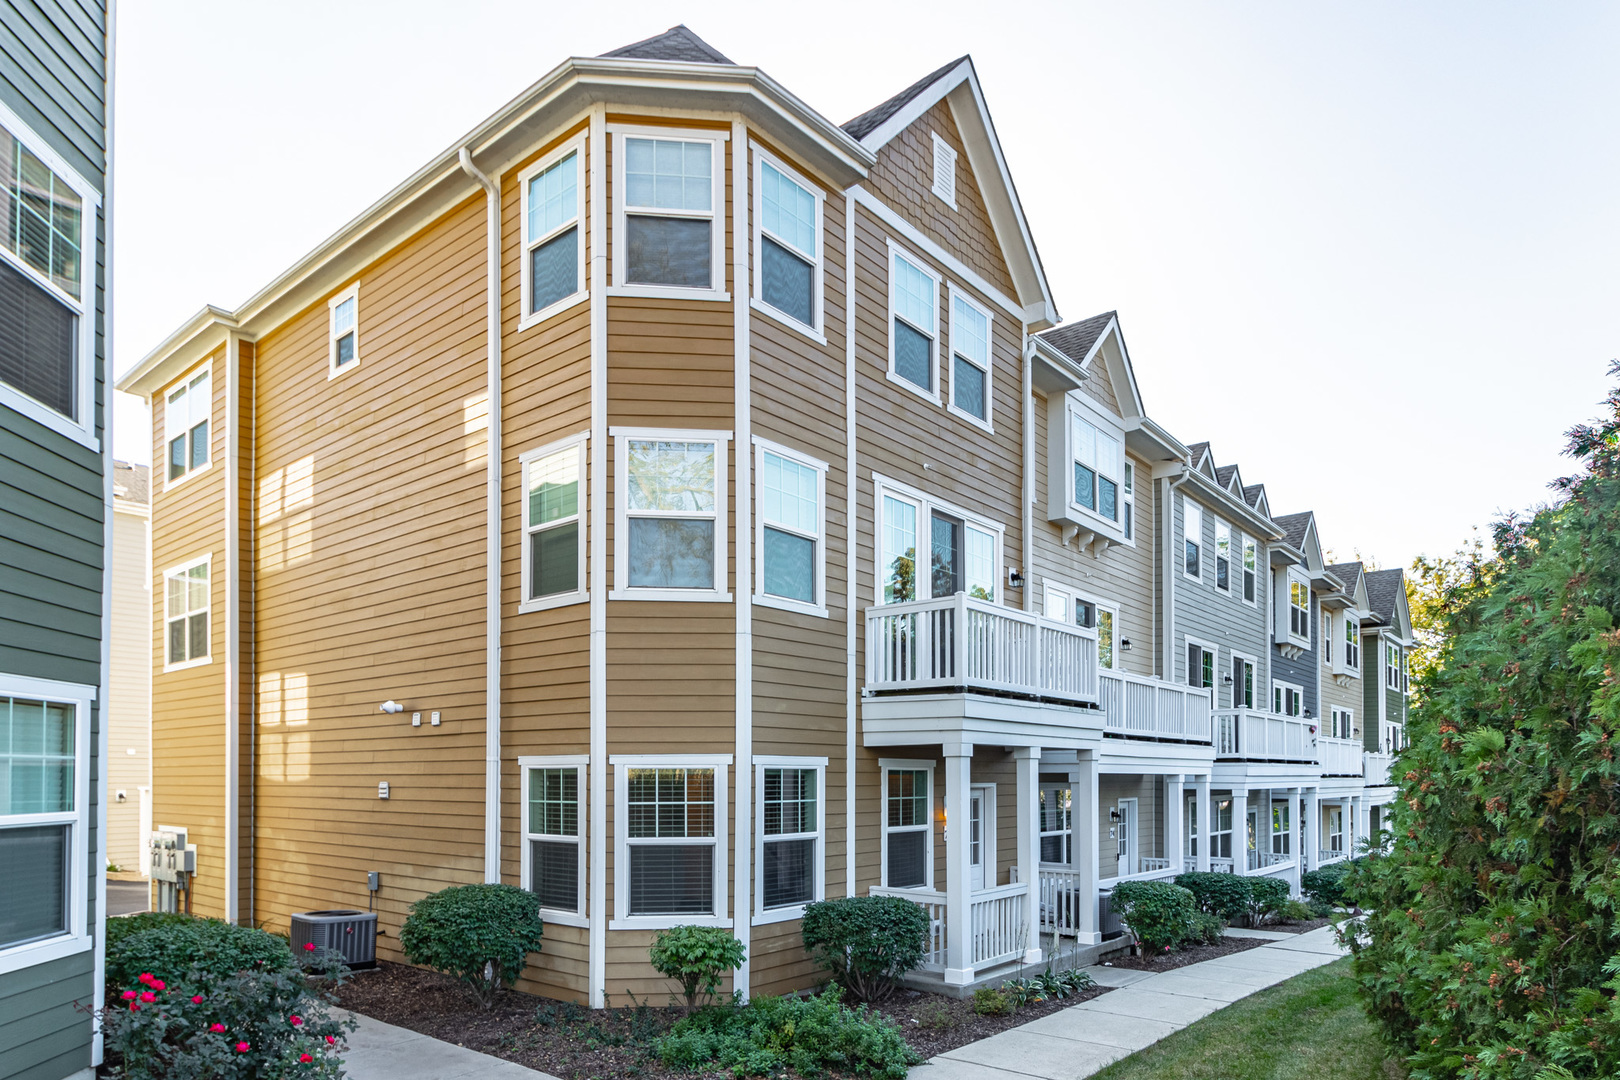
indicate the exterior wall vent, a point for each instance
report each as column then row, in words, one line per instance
column 351, row 933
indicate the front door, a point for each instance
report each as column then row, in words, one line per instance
column 1126, row 834
column 976, row 838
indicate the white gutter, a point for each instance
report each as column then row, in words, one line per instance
column 1028, row 569
column 492, row 594
column 743, row 873
column 596, row 820
column 850, row 519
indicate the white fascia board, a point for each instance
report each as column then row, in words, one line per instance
column 198, row 337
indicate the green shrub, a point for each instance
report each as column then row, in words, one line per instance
column 866, row 942
column 123, row 926
column 256, row 1025
column 1267, row 895
column 1047, row 985
column 1158, row 914
column 988, row 1002
column 1326, row 884
column 181, row 943
column 697, row 957
column 1225, row 895
column 770, row 1035
column 481, row 934
column 1205, row 929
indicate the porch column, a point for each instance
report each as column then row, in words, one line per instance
column 1175, row 828
column 1240, row 831
column 958, row 900
column 1083, row 798
column 1352, row 827
column 1206, row 821
column 1028, row 760
column 1295, row 844
column 1313, row 828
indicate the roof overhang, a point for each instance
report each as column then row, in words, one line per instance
column 198, row 337
column 1236, row 509
column 1149, row 441
column 1054, row 372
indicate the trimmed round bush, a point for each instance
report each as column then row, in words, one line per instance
column 1325, row 885
column 181, row 943
column 1267, row 897
column 697, row 957
column 481, row 934
column 866, row 942
column 1159, row 914
column 1223, row 895
column 122, row 926
column 1205, row 929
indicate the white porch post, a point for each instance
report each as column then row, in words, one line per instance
column 1313, row 828
column 1175, row 827
column 1083, row 797
column 1206, row 821
column 1240, row 831
column 958, row 901
column 1352, row 828
column 1028, row 759
column 1295, row 844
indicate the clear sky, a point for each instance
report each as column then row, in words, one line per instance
column 1368, row 250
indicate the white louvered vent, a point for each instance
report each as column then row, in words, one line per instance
column 944, row 171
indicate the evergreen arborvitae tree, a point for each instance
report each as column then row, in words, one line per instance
column 1493, row 946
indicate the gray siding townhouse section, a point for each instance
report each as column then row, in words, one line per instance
column 1219, row 620
column 1304, row 669
column 53, row 510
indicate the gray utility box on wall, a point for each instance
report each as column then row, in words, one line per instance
column 351, row 933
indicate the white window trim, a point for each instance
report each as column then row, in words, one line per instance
column 1203, row 554
column 1291, row 576
column 925, row 504
column 581, row 594
column 1351, row 637
column 816, row 330
column 181, row 568
column 1214, row 651
column 717, row 203
column 952, row 295
column 1215, row 555
column 1329, row 639
column 1127, row 522
column 1078, row 404
column 576, row 762
column 1245, row 540
column 1059, row 789
column 1280, row 706
column 885, row 767
column 83, row 430
column 938, row 144
column 762, row 915
column 1237, row 689
column 575, row 145
column 351, row 292
column 761, row 598
column 896, row 251
column 185, row 380
column 77, row 937
column 1349, row 722
column 621, row 517
column 1073, row 598
column 622, row 763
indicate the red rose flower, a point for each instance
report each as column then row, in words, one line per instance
column 305, row 1058
column 331, row 1040
column 197, row 1000
column 149, row 997
column 159, row 984
column 129, row 995
column 217, row 1029
column 134, row 1006
column 146, row 976
column 295, row 1020
column 242, row 1048
column 309, row 946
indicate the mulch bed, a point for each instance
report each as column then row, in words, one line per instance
column 574, row 1043
column 1193, row 954
column 1297, row 927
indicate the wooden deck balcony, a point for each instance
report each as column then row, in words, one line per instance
column 1143, row 708
column 1250, row 735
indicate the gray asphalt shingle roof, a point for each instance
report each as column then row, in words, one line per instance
column 1293, row 527
column 1076, row 339
column 1196, row 451
column 872, row 119
column 676, row 43
column 132, row 483
column 1223, row 474
column 1383, row 587
column 1252, row 493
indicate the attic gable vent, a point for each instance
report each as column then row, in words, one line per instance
column 944, row 171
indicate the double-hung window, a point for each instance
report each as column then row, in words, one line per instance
column 553, row 265
column 554, row 835
column 1200, row 665
column 47, row 342
column 343, row 332
column 970, row 359
column 671, row 529
column 1223, row 556
column 964, row 552
column 913, row 324
column 553, row 525
column 908, row 825
column 792, row 822
column 44, row 823
column 1242, row 682
column 1392, row 665
column 1333, row 828
column 1130, row 501
column 1327, row 638
column 186, row 614
column 1287, row 699
column 671, row 858
column 1352, row 644
column 790, row 529
column 1281, row 832
column 1192, row 537
column 787, row 243
column 667, row 231
column 1299, row 608
column 1220, row 830
column 1057, row 825
column 186, row 410
column 1099, row 462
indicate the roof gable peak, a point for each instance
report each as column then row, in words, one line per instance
column 678, row 43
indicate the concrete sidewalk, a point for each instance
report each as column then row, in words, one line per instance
column 1081, row 1040
column 379, row 1051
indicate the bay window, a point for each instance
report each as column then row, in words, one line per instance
column 552, row 269
column 970, row 359
column 1192, row 539
column 908, row 825
column 789, row 853
column 667, row 231
column 1352, row 644
column 671, row 529
column 187, row 602
column 553, row 525
column 186, row 412
column 1099, row 463
column 1327, row 638
column 1392, row 666
column 913, row 324
column 787, row 231
column 1130, row 501
column 1298, row 600
column 553, row 855
column 789, row 529
column 670, row 860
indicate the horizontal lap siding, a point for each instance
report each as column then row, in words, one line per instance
column 1302, row 670
column 1150, row 817
column 188, row 705
column 44, row 1034
column 130, row 719
column 1348, row 696
column 1223, row 620
column 369, row 519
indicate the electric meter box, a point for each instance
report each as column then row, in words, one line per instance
column 171, row 856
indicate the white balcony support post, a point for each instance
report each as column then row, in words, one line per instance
column 1352, row 826
column 1295, row 845
column 1206, row 821
column 1175, row 828
column 1312, row 855
column 1028, row 760
column 1083, row 796
column 1240, row 832
column 958, row 901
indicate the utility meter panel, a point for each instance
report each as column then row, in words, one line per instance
column 172, row 858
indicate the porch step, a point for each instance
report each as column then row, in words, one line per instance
column 1069, row 955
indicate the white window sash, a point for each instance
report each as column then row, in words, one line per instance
column 761, row 597
column 351, row 292
column 577, row 146
column 763, row 915
column 622, row 764
column 578, row 443
column 169, row 616
column 931, row 393
column 622, row 590
column 1223, row 532
column 956, row 296
column 925, row 505
column 816, row 329
column 192, row 418
column 577, row 762
column 715, row 213
column 1192, row 531
column 885, row 767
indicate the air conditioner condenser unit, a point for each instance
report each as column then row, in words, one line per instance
column 353, row 934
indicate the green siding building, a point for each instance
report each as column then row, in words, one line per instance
column 55, row 521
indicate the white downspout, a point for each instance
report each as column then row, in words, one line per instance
column 492, row 596
column 743, row 863
column 851, row 517
column 596, row 819
column 1168, row 674
column 1028, row 568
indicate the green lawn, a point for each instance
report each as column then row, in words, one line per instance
column 1306, row 1028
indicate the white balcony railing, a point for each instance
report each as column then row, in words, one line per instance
column 1000, row 932
column 1327, row 855
column 1263, row 860
column 973, row 644
column 1222, row 866
column 1152, row 865
column 1152, row 708
column 1259, row 736
column 1376, row 768
column 1339, row 757
column 1060, row 901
